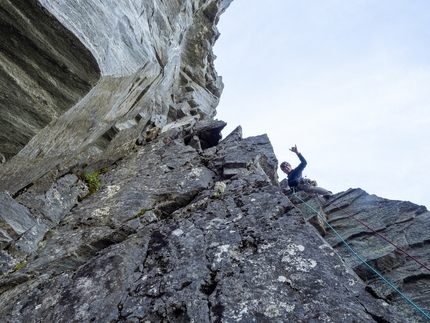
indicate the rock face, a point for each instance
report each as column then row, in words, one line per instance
column 45, row 69
column 395, row 251
column 157, row 242
column 156, row 66
column 130, row 208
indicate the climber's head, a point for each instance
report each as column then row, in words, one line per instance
column 286, row 167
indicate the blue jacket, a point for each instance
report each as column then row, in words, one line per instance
column 296, row 174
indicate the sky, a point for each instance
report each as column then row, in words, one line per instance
column 348, row 82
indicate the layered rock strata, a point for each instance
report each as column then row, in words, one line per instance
column 395, row 251
column 44, row 70
column 156, row 66
column 129, row 208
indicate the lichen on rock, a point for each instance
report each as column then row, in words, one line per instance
column 184, row 226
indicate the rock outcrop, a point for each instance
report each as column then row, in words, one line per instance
column 156, row 66
column 45, row 70
column 391, row 236
column 129, row 207
column 159, row 242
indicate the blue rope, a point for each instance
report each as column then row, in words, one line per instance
column 362, row 260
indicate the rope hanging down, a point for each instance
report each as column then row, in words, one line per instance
column 362, row 260
column 382, row 236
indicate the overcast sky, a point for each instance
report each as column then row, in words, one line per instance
column 347, row 81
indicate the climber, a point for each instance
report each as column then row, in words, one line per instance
column 295, row 179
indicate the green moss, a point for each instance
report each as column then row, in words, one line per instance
column 92, row 181
column 17, row 267
column 142, row 212
column 120, row 306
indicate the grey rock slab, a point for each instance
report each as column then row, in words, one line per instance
column 159, row 177
column 404, row 224
column 47, row 209
column 5, row 239
column 237, row 156
column 15, row 218
column 57, row 201
column 93, row 293
column 257, row 263
column 76, row 130
column 7, row 262
column 45, row 71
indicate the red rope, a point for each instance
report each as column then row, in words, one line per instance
column 386, row 239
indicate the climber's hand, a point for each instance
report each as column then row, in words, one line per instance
column 294, row 149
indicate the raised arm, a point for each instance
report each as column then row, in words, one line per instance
column 303, row 161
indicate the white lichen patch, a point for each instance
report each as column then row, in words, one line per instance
column 219, row 189
column 291, row 256
column 237, row 315
column 104, row 211
column 177, row 232
column 266, row 246
column 85, row 288
column 292, row 249
column 282, row 279
column 111, row 190
column 324, row 246
column 194, row 173
column 56, row 195
column 213, row 244
column 276, row 310
column 222, row 249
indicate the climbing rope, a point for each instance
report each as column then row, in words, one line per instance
column 361, row 259
column 380, row 235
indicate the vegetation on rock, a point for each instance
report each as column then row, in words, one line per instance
column 93, row 181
